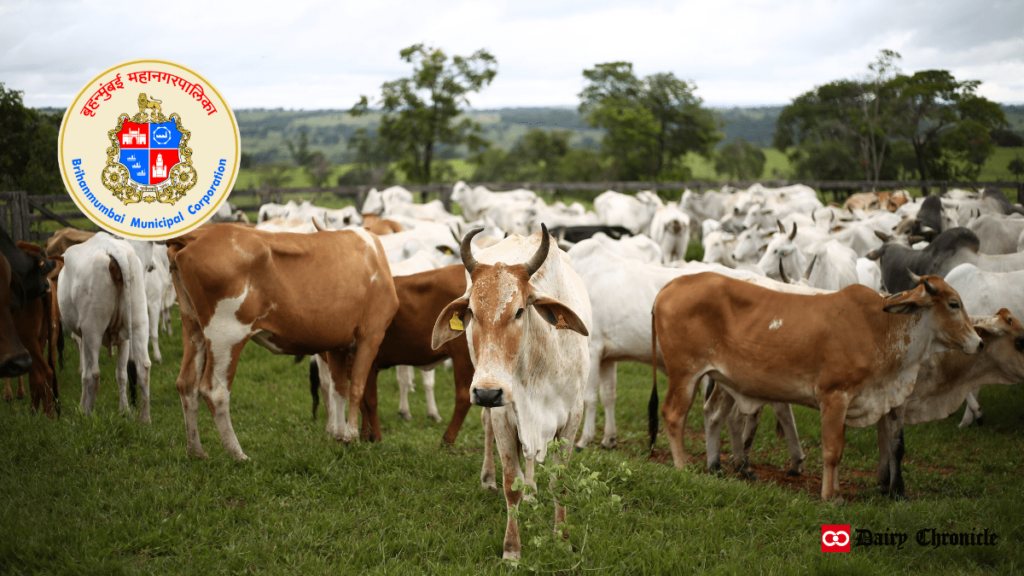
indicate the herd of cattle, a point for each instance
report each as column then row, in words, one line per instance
column 858, row 311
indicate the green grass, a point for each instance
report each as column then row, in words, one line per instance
column 107, row 495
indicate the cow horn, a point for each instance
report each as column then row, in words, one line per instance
column 467, row 250
column 781, row 227
column 782, row 272
column 914, row 277
column 793, row 235
column 315, row 225
column 535, row 263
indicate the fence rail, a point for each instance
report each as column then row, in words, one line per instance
column 19, row 210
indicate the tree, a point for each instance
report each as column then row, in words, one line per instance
column 28, row 147
column 318, row 169
column 948, row 124
column 651, row 123
column 740, row 159
column 536, row 157
column 420, row 111
column 848, row 127
column 372, row 161
column 1016, row 167
column 300, row 152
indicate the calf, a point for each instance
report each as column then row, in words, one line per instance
column 525, row 316
column 297, row 294
column 852, row 355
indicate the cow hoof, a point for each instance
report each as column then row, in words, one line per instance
column 511, row 555
column 577, row 448
column 716, row 469
column 609, row 443
column 792, row 472
column 981, row 420
column 434, row 417
column 405, row 416
column 749, row 475
column 898, row 497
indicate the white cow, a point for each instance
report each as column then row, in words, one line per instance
column 102, row 298
column 525, row 316
column 670, row 228
column 998, row 233
column 985, row 293
column 637, row 247
column 622, row 292
column 377, row 201
column 478, row 200
column 632, row 212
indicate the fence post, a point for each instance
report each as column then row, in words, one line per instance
column 943, row 188
column 19, row 217
column 360, row 198
column 446, row 196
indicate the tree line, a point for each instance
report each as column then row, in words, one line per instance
column 885, row 125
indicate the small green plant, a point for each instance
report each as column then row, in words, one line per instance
column 590, row 506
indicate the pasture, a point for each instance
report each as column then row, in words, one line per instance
column 107, row 495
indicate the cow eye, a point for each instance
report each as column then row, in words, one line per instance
column 954, row 305
column 1019, row 343
column 519, row 314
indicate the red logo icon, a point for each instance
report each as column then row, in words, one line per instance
column 835, row 538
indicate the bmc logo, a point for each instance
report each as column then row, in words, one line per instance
column 835, row 538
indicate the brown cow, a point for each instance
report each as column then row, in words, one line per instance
column 14, row 358
column 33, row 324
column 421, row 297
column 381, row 226
column 291, row 293
column 852, row 354
column 65, row 238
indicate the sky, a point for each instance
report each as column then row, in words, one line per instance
column 323, row 55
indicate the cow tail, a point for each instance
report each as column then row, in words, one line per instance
column 314, row 384
column 50, row 345
column 121, row 260
column 60, row 344
column 133, row 380
column 652, row 406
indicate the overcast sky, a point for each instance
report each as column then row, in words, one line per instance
column 313, row 55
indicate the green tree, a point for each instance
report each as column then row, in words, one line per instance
column 1016, row 167
column 300, row 152
column 318, row 169
column 372, row 161
column 847, row 128
column 420, row 112
column 740, row 159
column 28, row 147
column 650, row 123
column 948, row 124
column 536, row 157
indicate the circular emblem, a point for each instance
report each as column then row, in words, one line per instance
column 149, row 150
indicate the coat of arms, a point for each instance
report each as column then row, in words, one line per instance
column 149, row 160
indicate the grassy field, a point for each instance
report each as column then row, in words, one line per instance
column 107, row 495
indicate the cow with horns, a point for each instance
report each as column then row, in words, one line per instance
column 525, row 315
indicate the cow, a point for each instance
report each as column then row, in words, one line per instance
column 14, row 358
column 477, row 201
column 632, row 212
column 63, row 239
column 574, row 234
column 421, row 298
column 943, row 382
column 986, row 293
column 525, row 315
column 670, row 228
column 948, row 250
column 853, row 355
column 621, row 292
column 997, row 233
column 102, row 298
column 237, row 284
column 637, row 247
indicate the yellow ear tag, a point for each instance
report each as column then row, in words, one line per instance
column 456, row 323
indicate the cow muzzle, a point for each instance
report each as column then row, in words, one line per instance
column 16, row 365
column 488, row 397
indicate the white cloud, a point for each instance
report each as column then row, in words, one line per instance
column 299, row 54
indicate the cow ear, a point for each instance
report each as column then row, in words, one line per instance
column 903, row 308
column 559, row 315
column 451, row 323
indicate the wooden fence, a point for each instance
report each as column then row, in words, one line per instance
column 19, row 210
